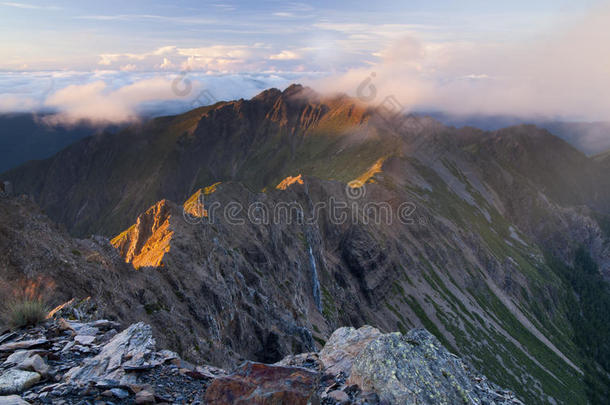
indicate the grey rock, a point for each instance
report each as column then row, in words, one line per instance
column 134, row 342
column 344, row 345
column 210, row 371
column 14, row 381
column 145, row 397
column 107, row 383
column 84, row 339
column 12, row 400
column 68, row 346
column 35, row 363
column 104, row 324
column 24, row 344
column 119, row 393
column 143, row 361
column 7, row 336
column 306, row 360
column 339, row 396
column 18, row 356
column 168, row 355
column 83, row 329
column 82, row 349
column 414, row 368
column 108, row 335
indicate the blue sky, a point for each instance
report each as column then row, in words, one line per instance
column 313, row 36
column 468, row 56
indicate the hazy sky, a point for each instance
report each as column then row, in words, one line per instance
column 54, row 53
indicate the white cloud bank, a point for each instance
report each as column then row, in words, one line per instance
column 120, row 96
column 97, row 102
column 565, row 74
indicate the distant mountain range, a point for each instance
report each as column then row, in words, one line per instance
column 499, row 241
column 26, row 136
column 591, row 138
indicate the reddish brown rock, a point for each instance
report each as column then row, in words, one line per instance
column 257, row 383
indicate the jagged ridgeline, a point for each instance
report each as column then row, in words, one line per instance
column 478, row 262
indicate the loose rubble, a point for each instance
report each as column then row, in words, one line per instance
column 89, row 362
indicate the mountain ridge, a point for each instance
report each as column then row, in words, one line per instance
column 470, row 262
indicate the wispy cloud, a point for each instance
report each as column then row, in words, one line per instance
column 185, row 20
column 285, row 55
column 28, row 6
column 213, row 58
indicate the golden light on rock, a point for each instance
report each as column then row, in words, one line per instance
column 288, row 181
column 146, row 242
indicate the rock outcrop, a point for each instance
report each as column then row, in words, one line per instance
column 127, row 367
column 344, row 345
column 132, row 349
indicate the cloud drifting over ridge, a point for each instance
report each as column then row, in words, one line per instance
column 119, row 96
column 565, row 73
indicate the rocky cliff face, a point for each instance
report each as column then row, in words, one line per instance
column 261, row 226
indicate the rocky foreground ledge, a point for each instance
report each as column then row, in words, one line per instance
column 77, row 362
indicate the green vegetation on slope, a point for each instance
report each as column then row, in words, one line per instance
column 589, row 309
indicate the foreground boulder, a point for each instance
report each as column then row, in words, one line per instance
column 257, row 383
column 14, row 381
column 344, row 345
column 412, row 369
column 135, row 344
column 405, row 369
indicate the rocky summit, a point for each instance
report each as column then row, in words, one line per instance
column 53, row 363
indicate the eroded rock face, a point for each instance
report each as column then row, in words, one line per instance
column 257, row 383
column 145, row 243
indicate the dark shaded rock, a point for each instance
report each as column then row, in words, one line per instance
column 256, row 383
